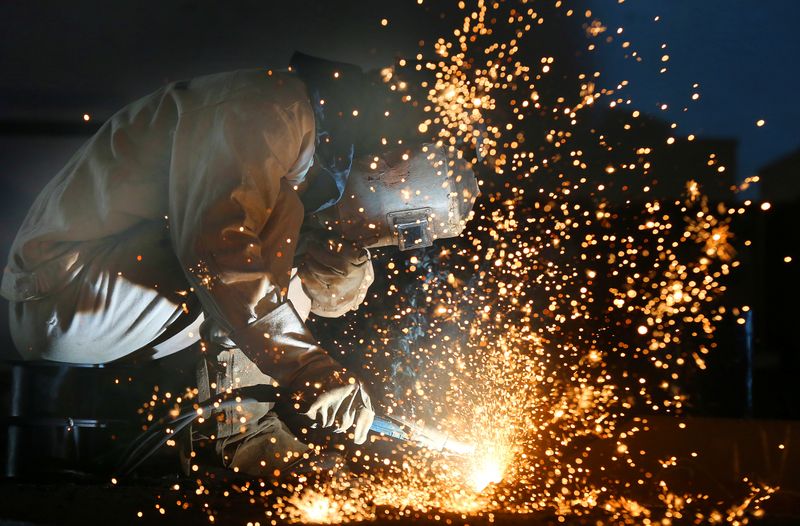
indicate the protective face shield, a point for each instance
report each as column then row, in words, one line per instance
column 407, row 198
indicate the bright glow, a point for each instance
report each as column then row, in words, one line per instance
column 488, row 469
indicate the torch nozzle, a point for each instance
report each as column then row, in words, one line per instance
column 424, row 436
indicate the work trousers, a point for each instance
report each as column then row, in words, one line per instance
column 250, row 436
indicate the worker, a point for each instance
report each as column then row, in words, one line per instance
column 230, row 207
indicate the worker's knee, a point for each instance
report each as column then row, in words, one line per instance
column 39, row 332
column 266, row 451
column 91, row 323
column 128, row 292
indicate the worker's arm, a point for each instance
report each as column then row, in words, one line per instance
column 235, row 220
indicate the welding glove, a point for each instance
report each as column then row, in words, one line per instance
column 337, row 400
column 335, row 274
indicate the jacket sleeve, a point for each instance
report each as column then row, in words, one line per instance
column 234, row 220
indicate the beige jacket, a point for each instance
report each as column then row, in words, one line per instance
column 217, row 157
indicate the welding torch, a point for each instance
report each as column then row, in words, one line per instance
column 165, row 429
column 391, row 426
column 405, row 431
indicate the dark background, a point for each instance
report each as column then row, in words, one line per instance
column 61, row 60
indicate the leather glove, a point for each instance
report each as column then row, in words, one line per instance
column 338, row 400
column 321, row 390
column 335, row 273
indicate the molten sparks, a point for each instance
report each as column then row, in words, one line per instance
column 316, row 507
column 487, row 468
column 568, row 310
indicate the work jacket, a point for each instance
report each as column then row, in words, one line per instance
column 219, row 158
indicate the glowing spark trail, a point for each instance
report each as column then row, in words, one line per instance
column 570, row 305
column 581, row 295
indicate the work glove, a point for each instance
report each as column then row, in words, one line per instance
column 337, row 400
column 335, row 274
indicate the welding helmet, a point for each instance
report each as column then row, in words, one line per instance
column 408, row 197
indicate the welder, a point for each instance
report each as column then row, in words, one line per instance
column 230, row 207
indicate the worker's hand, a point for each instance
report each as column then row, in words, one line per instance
column 335, row 273
column 339, row 401
column 344, row 407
